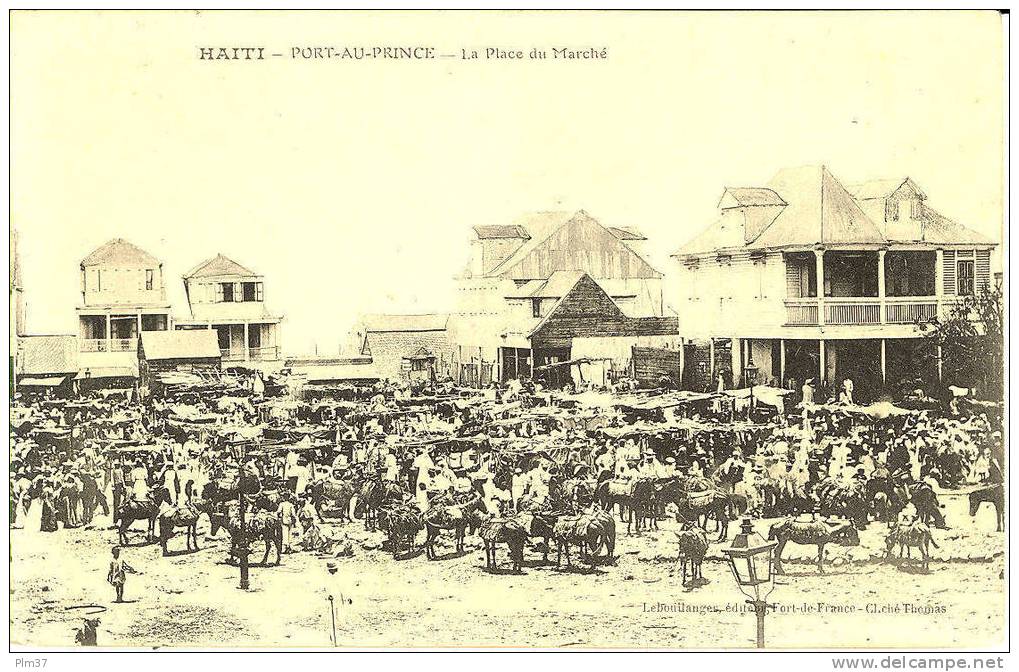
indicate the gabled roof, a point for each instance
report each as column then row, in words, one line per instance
column 556, row 237
column 735, row 197
column 626, row 233
column 555, row 286
column 119, row 252
column 882, row 188
column 940, row 229
column 180, row 344
column 819, row 210
column 512, row 231
column 388, row 323
column 217, row 266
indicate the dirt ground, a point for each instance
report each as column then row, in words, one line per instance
column 193, row 600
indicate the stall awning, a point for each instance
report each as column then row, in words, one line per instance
column 107, row 372
column 42, row 381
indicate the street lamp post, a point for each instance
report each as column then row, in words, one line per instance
column 245, row 487
column 750, row 559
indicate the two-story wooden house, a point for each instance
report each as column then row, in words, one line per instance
column 811, row 279
column 123, row 295
column 228, row 298
column 519, row 271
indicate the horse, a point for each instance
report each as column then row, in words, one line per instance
column 91, row 497
column 181, row 516
column 811, row 533
column 693, row 545
column 133, row 510
column 376, row 493
column 258, row 525
column 642, row 506
column 503, row 530
column 339, row 493
column 453, row 516
column 995, row 494
column 401, row 522
column 612, row 493
column 907, row 536
column 706, row 505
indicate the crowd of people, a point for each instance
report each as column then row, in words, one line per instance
column 514, row 446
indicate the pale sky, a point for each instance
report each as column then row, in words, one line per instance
column 353, row 185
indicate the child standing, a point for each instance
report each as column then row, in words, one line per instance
column 117, row 575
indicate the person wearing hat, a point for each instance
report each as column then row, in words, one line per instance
column 808, row 391
column 139, row 481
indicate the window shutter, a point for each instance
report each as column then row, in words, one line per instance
column 219, row 293
column 983, row 270
column 238, row 291
column 948, row 270
column 258, row 291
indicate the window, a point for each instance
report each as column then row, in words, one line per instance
column 965, row 278
column 916, row 208
column 536, row 307
column 99, row 280
column 891, row 210
column 148, row 279
column 226, row 293
column 249, row 291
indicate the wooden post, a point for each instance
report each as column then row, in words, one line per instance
column 682, row 362
column 884, row 373
column 940, row 362
column 711, row 363
column 781, row 363
column 139, row 330
column 881, row 283
column 820, row 362
column 109, row 327
column 246, row 353
column 819, row 261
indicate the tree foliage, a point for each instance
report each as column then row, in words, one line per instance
column 972, row 342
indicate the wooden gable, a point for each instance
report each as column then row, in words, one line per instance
column 587, row 311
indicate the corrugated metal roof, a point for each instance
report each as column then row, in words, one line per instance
column 119, row 252
column 749, row 196
column 819, row 211
column 48, row 354
column 501, row 231
column 426, row 322
column 180, row 344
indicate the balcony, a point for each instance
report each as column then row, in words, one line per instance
column 852, row 311
column 801, row 312
column 864, row 311
column 108, row 344
column 910, row 309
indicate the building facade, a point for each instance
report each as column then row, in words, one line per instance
column 228, row 298
column 518, row 272
column 808, row 278
column 123, row 295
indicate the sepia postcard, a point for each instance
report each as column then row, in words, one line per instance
column 570, row 330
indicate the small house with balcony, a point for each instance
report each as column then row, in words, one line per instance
column 123, row 295
column 808, row 278
column 229, row 299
